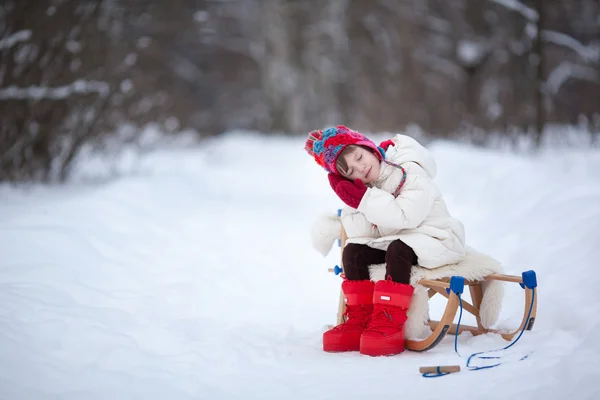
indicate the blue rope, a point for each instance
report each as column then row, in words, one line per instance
column 476, row 355
column 435, row 374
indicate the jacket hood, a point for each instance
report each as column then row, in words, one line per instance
column 407, row 149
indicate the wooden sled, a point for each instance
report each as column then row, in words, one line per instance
column 451, row 289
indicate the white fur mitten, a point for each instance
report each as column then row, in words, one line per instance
column 324, row 231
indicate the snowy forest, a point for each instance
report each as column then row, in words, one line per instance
column 75, row 72
column 158, row 204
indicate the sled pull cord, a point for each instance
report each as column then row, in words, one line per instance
column 529, row 281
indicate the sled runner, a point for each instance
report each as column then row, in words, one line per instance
column 451, row 287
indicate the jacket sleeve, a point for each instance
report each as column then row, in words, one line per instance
column 406, row 211
column 355, row 224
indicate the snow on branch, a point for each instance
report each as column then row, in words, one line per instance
column 568, row 70
column 516, row 5
column 470, row 53
column 54, row 93
column 588, row 53
column 16, row 37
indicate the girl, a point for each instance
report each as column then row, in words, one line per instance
column 395, row 215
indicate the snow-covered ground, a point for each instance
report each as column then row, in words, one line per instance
column 193, row 277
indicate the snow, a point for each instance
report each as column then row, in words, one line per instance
column 12, row 39
column 201, row 16
column 567, row 70
column 54, row 93
column 589, row 53
column 516, row 5
column 191, row 276
column 469, row 52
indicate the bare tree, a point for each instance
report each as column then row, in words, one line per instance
column 54, row 83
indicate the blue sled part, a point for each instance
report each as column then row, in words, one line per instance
column 529, row 280
column 457, row 285
column 337, row 270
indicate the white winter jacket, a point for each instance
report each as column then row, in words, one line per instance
column 418, row 216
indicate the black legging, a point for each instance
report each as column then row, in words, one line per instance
column 399, row 259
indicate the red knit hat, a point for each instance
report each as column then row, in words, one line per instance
column 326, row 145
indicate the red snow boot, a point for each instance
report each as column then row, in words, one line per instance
column 358, row 296
column 384, row 335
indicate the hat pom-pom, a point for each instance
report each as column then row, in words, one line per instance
column 310, row 142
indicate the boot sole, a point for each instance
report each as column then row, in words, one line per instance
column 341, row 343
column 387, row 346
column 377, row 352
column 338, row 348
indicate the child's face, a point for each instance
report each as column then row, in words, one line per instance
column 363, row 165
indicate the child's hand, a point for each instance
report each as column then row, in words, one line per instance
column 386, row 143
column 351, row 193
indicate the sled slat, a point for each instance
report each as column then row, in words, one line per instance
column 433, row 284
column 467, row 282
column 505, row 278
